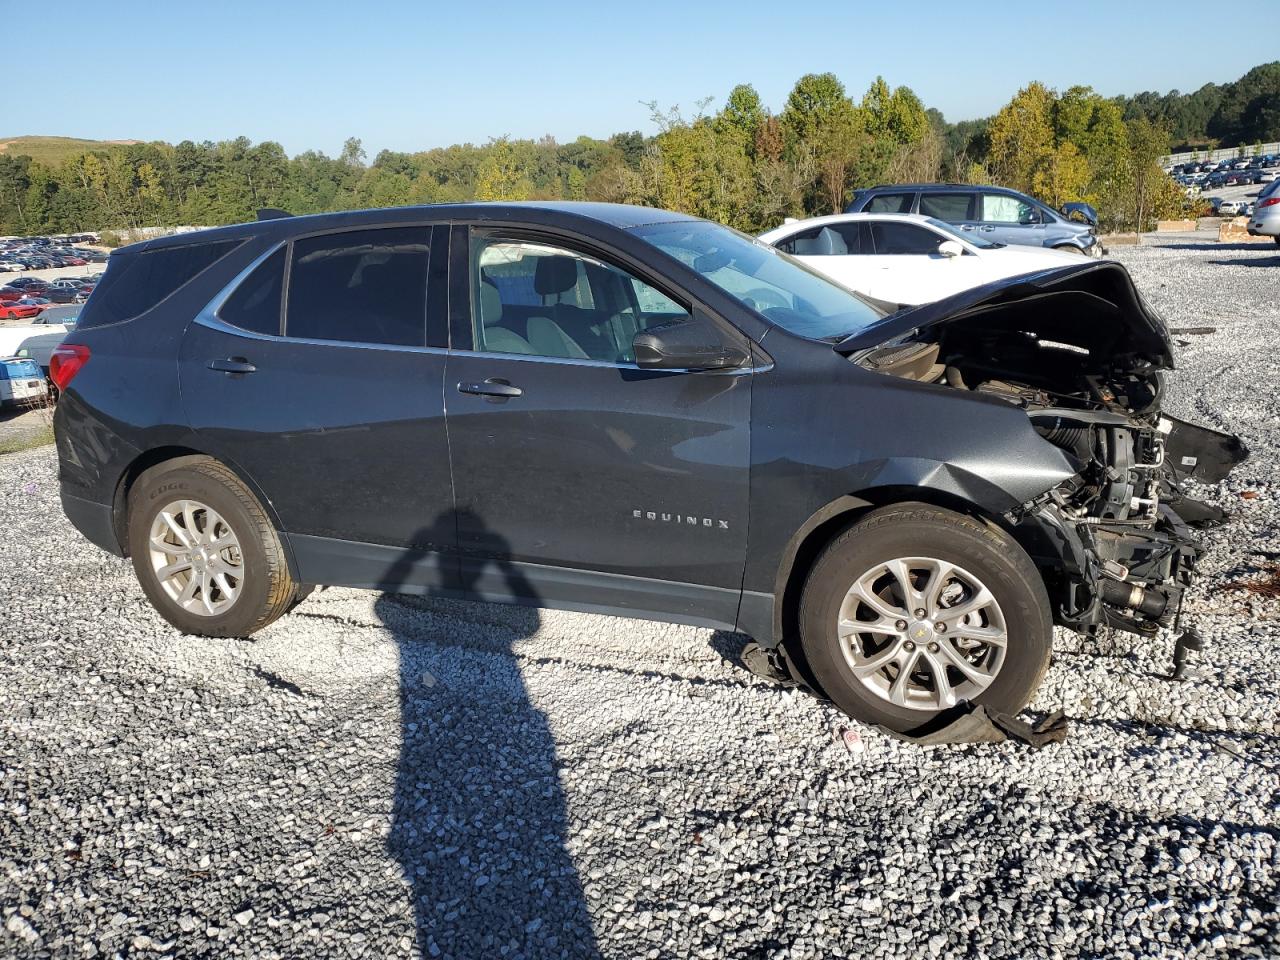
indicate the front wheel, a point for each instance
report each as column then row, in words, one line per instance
column 205, row 552
column 914, row 609
column 1071, row 248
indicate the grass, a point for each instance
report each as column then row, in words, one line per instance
column 26, row 441
column 51, row 151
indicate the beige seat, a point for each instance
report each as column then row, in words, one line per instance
column 498, row 339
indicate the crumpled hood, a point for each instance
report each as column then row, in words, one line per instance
column 1093, row 305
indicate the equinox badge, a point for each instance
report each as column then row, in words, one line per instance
column 680, row 518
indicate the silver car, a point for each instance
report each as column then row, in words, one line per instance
column 1265, row 219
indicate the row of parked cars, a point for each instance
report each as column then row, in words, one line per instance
column 1228, row 173
column 18, row 254
column 27, row 297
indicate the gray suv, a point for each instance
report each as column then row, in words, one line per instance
column 995, row 213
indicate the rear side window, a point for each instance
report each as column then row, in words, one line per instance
column 255, row 304
column 951, row 207
column 136, row 282
column 366, row 286
column 904, row 239
column 890, row 203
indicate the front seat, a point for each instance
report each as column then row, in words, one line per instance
column 497, row 339
column 553, row 277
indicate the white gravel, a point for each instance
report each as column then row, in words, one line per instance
column 378, row 776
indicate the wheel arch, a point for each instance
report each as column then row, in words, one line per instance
column 825, row 525
column 175, row 455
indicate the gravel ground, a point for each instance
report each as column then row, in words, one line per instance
column 376, row 776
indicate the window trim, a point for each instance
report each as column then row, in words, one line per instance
column 210, row 316
column 465, row 323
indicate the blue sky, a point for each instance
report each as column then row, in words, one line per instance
column 405, row 75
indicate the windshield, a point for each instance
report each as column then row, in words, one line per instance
column 784, row 291
column 979, row 242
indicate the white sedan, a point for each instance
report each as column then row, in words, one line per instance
column 906, row 258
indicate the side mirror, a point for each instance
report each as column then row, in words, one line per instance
column 692, row 343
column 951, row 248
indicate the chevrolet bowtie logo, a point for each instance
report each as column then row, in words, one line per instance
column 682, row 519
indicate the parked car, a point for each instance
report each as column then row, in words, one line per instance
column 631, row 411
column 1267, row 176
column 1265, row 218
column 9, row 266
column 39, row 347
column 17, row 310
column 906, row 258
column 1230, row 208
column 21, row 382
column 67, row 294
column 1005, row 216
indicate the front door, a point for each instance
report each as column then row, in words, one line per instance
column 332, row 406
column 581, row 479
column 1007, row 219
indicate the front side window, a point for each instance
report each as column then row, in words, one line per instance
column 365, row 286
column 999, row 208
column 889, row 203
column 539, row 299
column 904, row 239
column 784, row 291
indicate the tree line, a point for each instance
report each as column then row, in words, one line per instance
column 739, row 163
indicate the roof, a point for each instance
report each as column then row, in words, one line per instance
column 620, row 215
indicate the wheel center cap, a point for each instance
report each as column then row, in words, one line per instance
column 920, row 631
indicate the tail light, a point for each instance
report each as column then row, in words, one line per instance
column 65, row 362
column 1270, row 201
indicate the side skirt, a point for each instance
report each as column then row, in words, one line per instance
column 421, row 572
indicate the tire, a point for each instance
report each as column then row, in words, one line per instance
column 1070, row 248
column 964, row 555
column 225, row 511
column 1277, row 240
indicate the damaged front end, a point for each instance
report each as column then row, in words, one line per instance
column 1082, row 353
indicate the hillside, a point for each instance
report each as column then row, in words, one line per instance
column 51, row 151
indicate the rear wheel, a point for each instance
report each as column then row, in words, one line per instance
column 205, row 552
column 914, row 610
column 1070, row 248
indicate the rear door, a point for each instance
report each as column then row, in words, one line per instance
column 318, row 378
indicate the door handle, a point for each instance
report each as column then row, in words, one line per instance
column 966, row 226
column 988, row 229
column 232, row 365
column 495, row 389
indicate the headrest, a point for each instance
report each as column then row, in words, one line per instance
column 555, row 275
column 490, row 303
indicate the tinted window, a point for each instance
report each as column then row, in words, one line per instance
column 255, row 304
column 999, row 208
column 548, row 301
column 832, row 240
column 890, row 203
column 136, row 282
column 904, row 239
column 952, row 207
column 367, row 286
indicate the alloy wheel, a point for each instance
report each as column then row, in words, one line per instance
column 922, row 633
column 196, row 557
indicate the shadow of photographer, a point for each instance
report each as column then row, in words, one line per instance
column 479, row 824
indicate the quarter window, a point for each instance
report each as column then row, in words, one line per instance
column 366, row 286
column 136, row 282
column 543, row 300
column 255, row 304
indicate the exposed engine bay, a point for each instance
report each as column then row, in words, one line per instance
column 1084, row 356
